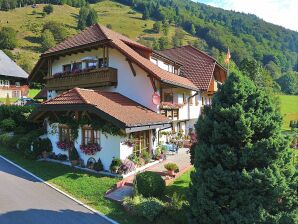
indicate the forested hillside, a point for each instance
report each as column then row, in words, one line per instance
column 157, row 23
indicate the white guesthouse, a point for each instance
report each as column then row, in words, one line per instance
column 116, row 90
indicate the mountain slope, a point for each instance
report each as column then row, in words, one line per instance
column 29, row 25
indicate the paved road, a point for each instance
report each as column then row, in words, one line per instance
column 25, row 200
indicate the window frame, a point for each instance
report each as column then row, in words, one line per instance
column 65, row 66
column 65, row 130
column 94, row 136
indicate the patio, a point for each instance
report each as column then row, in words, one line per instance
column 124, row 187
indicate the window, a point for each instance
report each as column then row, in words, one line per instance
column 168, row 97
column 16, row 94
column 67, row 68
column 90, row 136
column 18, row 84
column 6, row 82
column 76, row 66
column 64, row 134
column 91, row 64
column 1, row 83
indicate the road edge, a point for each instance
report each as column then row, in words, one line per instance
column 60, row 191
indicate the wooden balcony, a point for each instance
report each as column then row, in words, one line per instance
column 84, row 79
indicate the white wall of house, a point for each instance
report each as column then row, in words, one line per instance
column 110, row 146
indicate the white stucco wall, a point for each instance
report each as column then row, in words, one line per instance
column 163, row 65
column 111, row 146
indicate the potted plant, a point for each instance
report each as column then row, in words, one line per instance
column 74, row 157
column 172, row 168
column 115, row 165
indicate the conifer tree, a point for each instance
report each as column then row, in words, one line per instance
column 243, row 168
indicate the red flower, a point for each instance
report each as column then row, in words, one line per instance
column 90, row 149
column 64, row 146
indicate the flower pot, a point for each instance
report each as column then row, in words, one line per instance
column 171, row 172
column 74, row 162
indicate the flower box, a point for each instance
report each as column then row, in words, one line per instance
column 64, row 146
column 90, row 149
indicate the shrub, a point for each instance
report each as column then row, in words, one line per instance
column 26, row 141
column 192, row 153
column 146, row 156
column 115, row 165
column 34, row 152
column 18, row 114
column 98, row 166
column 45, row 144
column 150, row 184
column 73, row 154
column 148, row 208
column 61, row 157
column 134, row 158
column 172, row 167
column 5, row 139
column 48, row 9
column 8, row 124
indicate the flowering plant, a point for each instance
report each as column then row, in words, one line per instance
column 64, row 146
column 90, row 149
column 129, row 142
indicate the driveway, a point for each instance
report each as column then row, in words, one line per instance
column 24, row 199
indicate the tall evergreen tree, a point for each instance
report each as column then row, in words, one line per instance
column 243, row 168
column 91, row 18
column 83, row 14
column 8, row 38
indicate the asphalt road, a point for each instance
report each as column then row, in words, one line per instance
column 26, row 200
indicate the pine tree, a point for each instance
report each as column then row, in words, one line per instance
column 47, row 40
column 146, row 14
column 83, row 14
column 243, row 169
column 193, row 29
column 91, row 18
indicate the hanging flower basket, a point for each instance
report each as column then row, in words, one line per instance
column 64, row 146
column 90, row 149
column 129, row 142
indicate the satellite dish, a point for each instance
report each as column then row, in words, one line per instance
column 156, row 98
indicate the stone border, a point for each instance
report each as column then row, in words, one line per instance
column 60, row 191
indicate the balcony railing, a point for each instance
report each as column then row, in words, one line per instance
column 84, row 79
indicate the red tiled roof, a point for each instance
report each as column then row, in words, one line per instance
column 114, row 104
column 97, row 33
column 198, row 67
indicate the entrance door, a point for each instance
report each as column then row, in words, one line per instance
column 141, row 141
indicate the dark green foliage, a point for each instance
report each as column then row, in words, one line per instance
column 47, row 40
column 98, row 166
column 163, row 43
column 157, row 27
column 91, row 18
column 48, row 9
column 8, row 38
column 192, row 153
column 146, row 14
column 5, row 139
column 244, row 171
column 57, row 29
column 289, row 83
column 150, row 184
column 8, row 125
column 115, row 165
column 26, row 141
column 18, row 114
column 73, row 154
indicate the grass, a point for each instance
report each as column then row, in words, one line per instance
column 29, row 25
column 289, row 109
column 33, row 92
column 88, row 188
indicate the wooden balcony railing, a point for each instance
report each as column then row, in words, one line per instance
column 84, row 79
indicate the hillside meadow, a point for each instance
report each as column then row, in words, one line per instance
column 29, row 22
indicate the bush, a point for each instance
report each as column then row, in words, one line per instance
column 150, row 184
column 115, row 165
column 26, row 141
column 146, row 156
column 61, row 157
column 48, row 9
column 73, row 154
column 8, row 124
column 172, row 167
column 98, row 166
column 5, row 139
column 148, row 208
column 134, row 158
column 45, row 144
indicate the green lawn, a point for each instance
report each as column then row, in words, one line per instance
column 88, row 188
column 289, row 109
column 33, row 92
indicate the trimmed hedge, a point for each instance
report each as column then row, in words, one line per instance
column 150, row 184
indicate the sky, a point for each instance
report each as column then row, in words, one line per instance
column 279, row 12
